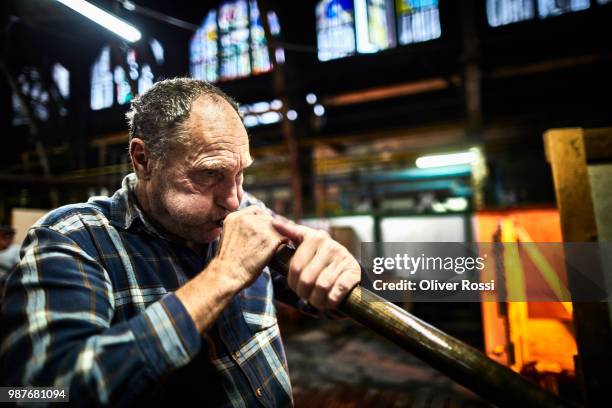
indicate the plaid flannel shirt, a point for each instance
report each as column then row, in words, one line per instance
column 91, row 308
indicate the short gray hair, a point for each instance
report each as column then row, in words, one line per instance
column 158, row 115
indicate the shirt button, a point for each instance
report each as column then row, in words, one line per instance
column 236, row 355
column 258, row 392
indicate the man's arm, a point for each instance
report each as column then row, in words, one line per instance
column 56, row 328
column 322, row 271
column 59, row 307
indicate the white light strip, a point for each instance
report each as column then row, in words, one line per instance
column 427, row 162
column 103, row 18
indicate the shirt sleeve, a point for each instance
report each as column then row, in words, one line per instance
column 58, row 329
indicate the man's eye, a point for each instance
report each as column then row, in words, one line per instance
column 206, row 177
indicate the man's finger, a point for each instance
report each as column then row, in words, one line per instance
column 325, row 281
column 311, row 273
column 343, row 285
column 294, row 232
column 302, row 257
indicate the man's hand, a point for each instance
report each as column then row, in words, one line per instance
column 248, row 242
column 322, row 271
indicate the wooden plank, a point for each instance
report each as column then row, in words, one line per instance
column 567, row 154
column 386, row 92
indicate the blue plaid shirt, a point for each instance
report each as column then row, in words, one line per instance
column 91, row 308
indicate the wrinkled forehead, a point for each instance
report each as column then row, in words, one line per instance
column 216, row 131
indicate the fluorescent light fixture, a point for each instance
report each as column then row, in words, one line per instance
column 438, row 207
column 270, row 117
column 250, row 121
column 292, row 115
column 319, row 110
column 103, row 18
column 441, row 160
column 456, row 204
column 276, row 104
column 311, row 98
column 260, row 107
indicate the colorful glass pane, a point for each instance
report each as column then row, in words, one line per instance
column 335, row 29
column 502, row 12
column 259, row 47
column 551, row 8
column 375, row 25
column 234, row 39
column 203, row 50
column 418, row 20
column 102, row 81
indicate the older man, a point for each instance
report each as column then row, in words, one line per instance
column 162, row 291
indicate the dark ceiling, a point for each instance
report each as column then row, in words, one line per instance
column 563, row 90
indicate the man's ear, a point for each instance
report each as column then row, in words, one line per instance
column 141, row 159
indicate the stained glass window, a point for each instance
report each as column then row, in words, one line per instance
column 345, row 27
column 38, row 95
column 551, row 8
column 234, row 39
column 275, row 31
column 418, row 20
column 231, row 42
column 335, row 29
column 146, row 79
column 259, row 47
column 502, row 12
column 203, row 50
column 107, row 84
column 374, row 21
column 158, row 51
column 102, row 81
column 32, row 92
column 61, row 77
column 275, row 27
column 124, row 93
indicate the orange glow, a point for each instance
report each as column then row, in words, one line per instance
column 526, row 336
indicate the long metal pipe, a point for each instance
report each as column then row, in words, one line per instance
column 459, row 361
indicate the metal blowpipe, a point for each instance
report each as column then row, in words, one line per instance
column 459, row 361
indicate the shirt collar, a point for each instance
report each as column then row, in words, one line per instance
column 125, row 210
column 125, row 213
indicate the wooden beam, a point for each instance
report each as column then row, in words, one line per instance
column 568, row 156
column 546, row 66
column 279, row 84
column 386, row 92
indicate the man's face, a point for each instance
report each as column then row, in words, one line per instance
column 198, row 186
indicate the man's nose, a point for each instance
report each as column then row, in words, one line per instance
column 228, row 195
